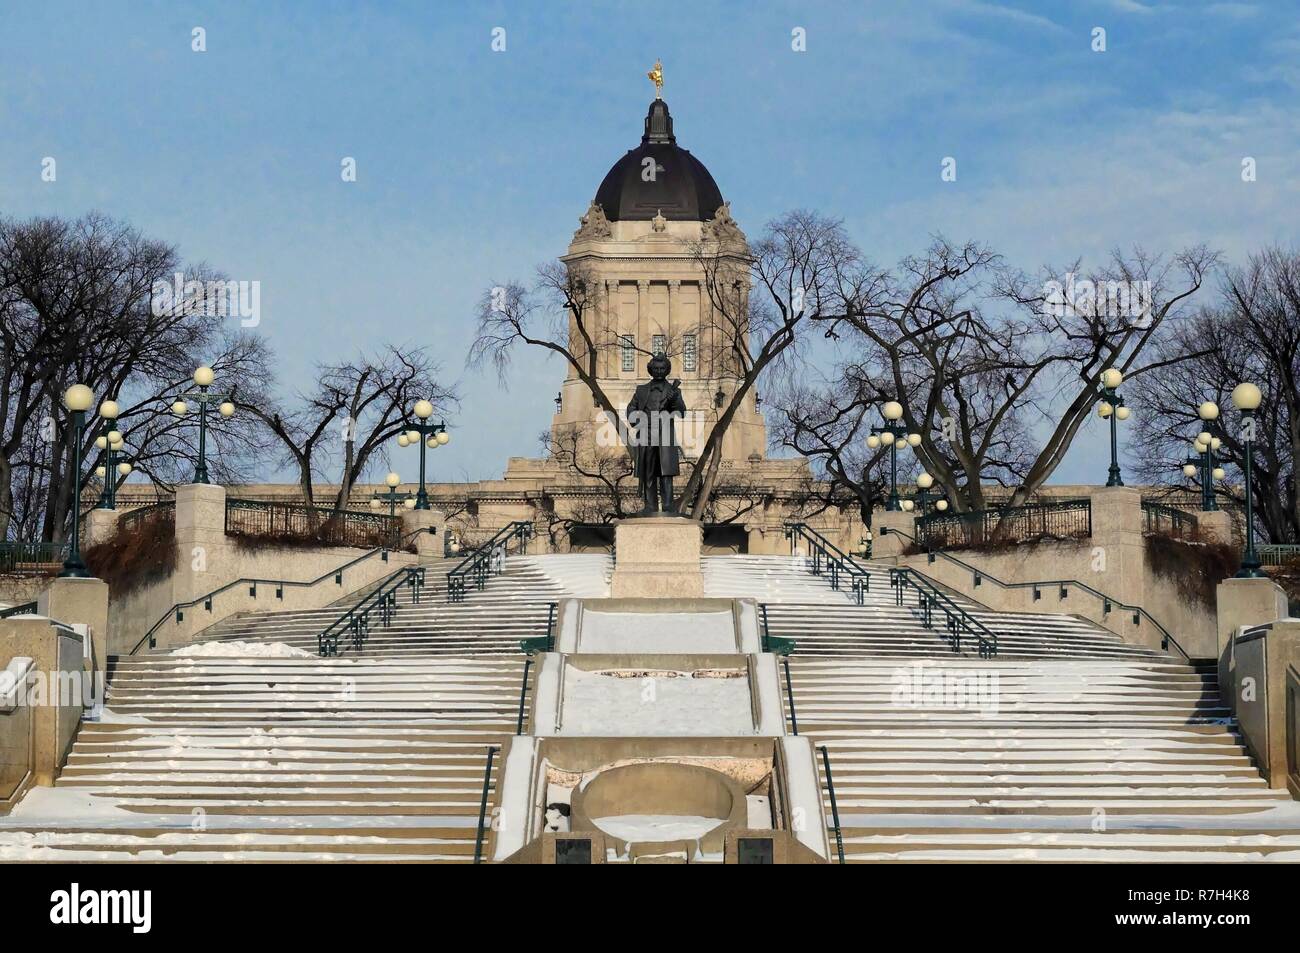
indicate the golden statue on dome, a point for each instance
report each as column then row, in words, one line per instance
column 656, row 76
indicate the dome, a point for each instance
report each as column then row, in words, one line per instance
column 682, row 189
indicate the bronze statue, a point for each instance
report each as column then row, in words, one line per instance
column 651, row 416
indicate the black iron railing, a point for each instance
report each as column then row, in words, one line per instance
column 1063, row 587
column 487, row 560
column 827, row 559
column 789, row 697
column 353, row 626
column 1278, row 554
column 523, row 695
column 542, row 643
column 776, row 644
column 164, row 510
column 23, row 559
column 1054, row 519
column 958, row 623
column 835, row 809
column 1163, row 520
column 482, row 805
column 259, row 518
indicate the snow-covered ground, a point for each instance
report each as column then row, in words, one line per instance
column 698, row 633
column 236, row 649
column 655, row 704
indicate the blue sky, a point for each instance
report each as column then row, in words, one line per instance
column 473, row 166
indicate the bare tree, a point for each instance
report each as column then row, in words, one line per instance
column 355, row 408
column 1250, row 333
column 802, row 270
column 77, row 305
column 982, row 359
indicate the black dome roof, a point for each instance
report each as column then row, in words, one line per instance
column 682, row 188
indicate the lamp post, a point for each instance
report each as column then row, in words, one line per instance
column 1246, row 398
column 864, row 544
column 924, row 482
column 1205, row 446
column 1112, row 408
column 77, row 399
column 896, row 432
column 391, row 496
column 429, row 436
column 203, row 377
column 109, row 442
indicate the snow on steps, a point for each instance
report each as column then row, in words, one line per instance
column 1092, row 761
column 277, row 760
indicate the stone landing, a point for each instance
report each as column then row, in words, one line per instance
column 657, row 557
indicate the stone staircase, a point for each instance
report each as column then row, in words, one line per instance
column 829, row 623
column 276, row 759
column 1071, row 745
column 512, row 606
column 290, row 757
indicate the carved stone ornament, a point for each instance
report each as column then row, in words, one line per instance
column 722, row 227
column 594, row 224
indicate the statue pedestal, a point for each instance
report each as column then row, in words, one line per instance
column 657, row 557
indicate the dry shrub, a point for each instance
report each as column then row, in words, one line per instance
column 1195, row 564
column 131, row 558
column 1287, row 575
column 280, row 539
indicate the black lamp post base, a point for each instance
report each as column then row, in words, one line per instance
column 74, row 570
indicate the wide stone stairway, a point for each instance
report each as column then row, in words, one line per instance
column 1069, row 745
column 270, row 753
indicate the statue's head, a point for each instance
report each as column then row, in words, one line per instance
column 659, row 367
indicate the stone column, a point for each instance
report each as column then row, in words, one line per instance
column 100, row 525
column 1216, row 526
column 428, row 545
column 203, row 556
column 71, row 600
column 675, row 329
column 606, row 362
column 1244, row 602
column 643, row 328
column 55, row 718
column 885, row 543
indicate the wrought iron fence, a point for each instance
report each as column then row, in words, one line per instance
column 1055, row 519
column 164, row 510
column 1164, row 520
column 31, row 559
column 290, row 521
column 1279, row 554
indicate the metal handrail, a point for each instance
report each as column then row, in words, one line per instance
column 835, row 808
column 542, row 643
column 1107, row 602
column 482, row 805
column 789, row 696
column 252, row 582
column 479, row 564
column 837, row 562
column 931, row 597
column 523, row 694
column 776, row 644
column 356, row 620
column 27, row 608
